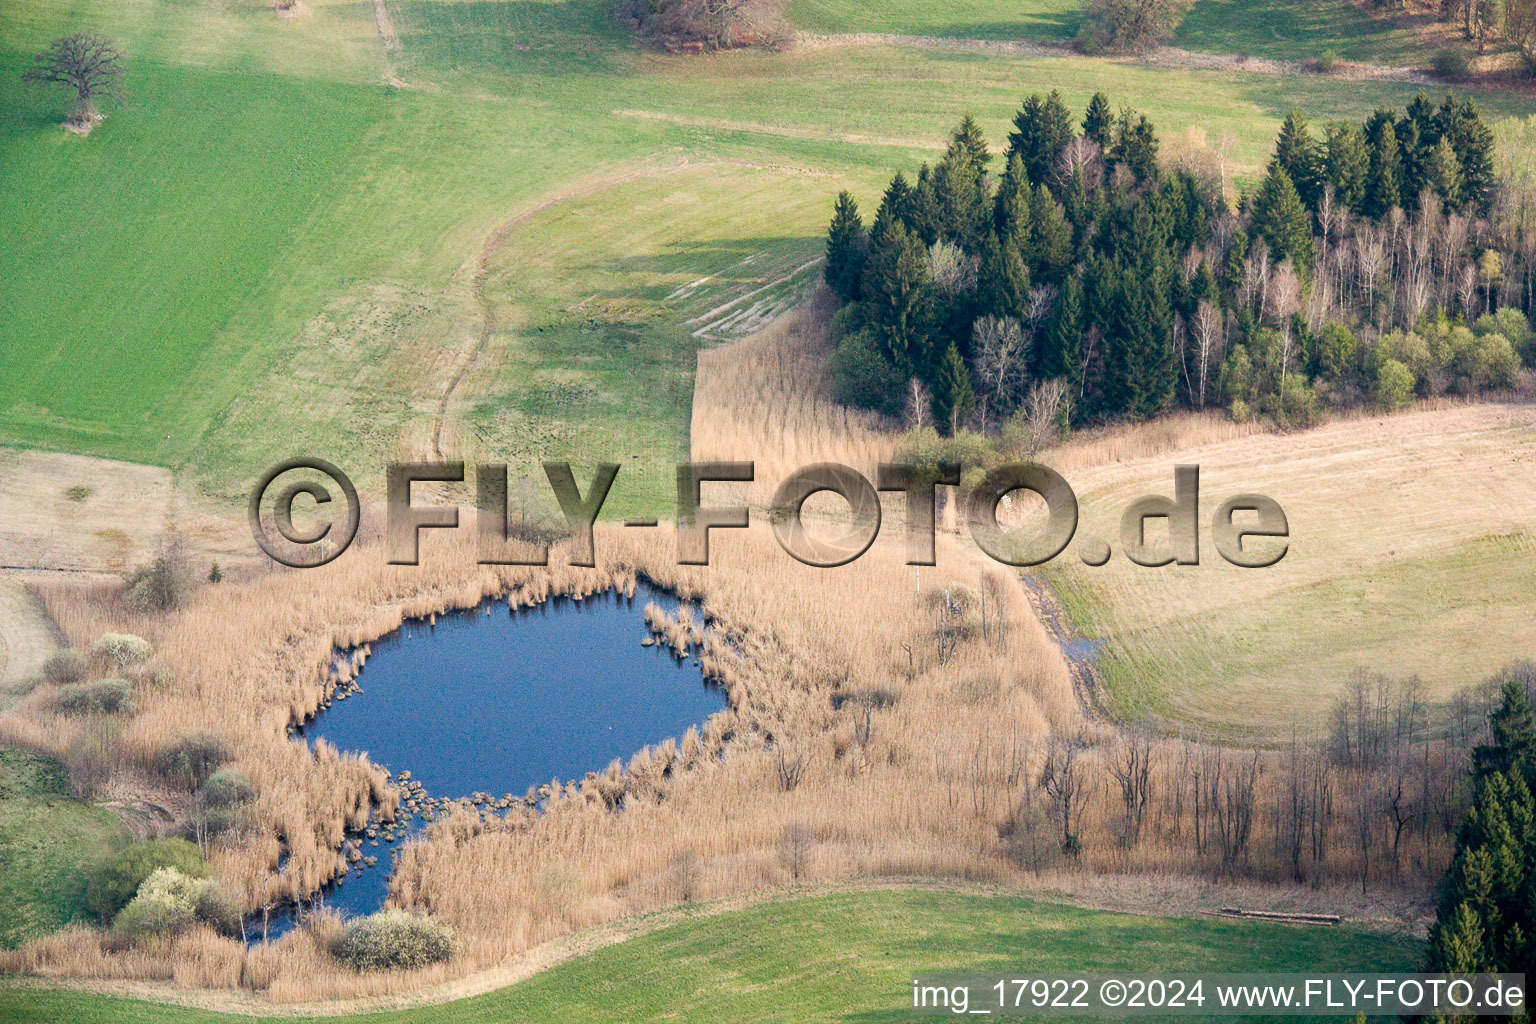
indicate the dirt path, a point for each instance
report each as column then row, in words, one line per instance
column 389, row 44
column 1165, row 57
column 27, row 637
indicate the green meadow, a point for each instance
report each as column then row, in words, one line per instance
column 299, row 239
column 46, row 840
column 847, row 957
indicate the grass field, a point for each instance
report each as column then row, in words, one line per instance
column 271, row 244
column 45, row 839
column 847, row 957
column 1409, row 555
column 1282, row 29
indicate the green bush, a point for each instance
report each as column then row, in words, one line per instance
column 66, row 667
column 1295, row 407
column 102, row 697
column 1511, row 323
column 1337, row 351
column 226, row 788
column 113, row 884
column 393, row 940
column 169, row 901
column 863, row 378
column 1394, row 385
column 1486, row 361
column 192, row 758
column 1406, row 348
column 1453, row 63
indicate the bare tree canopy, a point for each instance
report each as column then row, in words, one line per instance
column 89, row 64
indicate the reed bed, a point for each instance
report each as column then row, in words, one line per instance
column 881, row 722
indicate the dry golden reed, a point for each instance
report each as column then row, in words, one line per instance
column 889, row 722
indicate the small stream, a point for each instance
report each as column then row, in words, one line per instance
column 490, row 702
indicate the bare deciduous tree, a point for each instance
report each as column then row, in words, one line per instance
column 90, row 65
column 1001, row 354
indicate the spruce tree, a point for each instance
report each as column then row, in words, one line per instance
column 923, row 215
column 1472, row 142
column 1383, row 188
column 1050, row 247
column 895, row 205
column 1297, row 152
column 1347, row 163
column 1512, row 735
column 1041, row 131
column 969, row 137
column 953, row 397
column 1024, row 140
column 1485, row 916
column 1002, row 280
column 1281, row 220
column 847, row 247
column 962, row 206
column 1135, row 146
column 1062, row 355
column 1442, row 173
column 1413, row 153
column 1010, row 208
column 898, row 297
column 1098, row 120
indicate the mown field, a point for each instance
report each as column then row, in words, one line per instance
column 847, row 957
column 1409, row 553
column 46, row 838
column 526, row 234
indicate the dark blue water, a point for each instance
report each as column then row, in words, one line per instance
column 495, row 701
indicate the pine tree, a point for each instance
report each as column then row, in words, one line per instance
column 1281, row 220
column 1098, row 120
column 847, row 248
column 1442, row 173
column 953, row 398
column 898, row 297
column 1050, row 247
column 1383, row 187
column 1297, row 152
column 1347, row 163
column 1002, row 280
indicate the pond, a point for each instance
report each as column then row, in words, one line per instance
column 492, row 700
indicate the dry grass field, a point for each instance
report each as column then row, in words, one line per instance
column 1410, row 555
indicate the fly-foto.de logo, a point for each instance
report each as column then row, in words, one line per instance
column 1248, row 530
